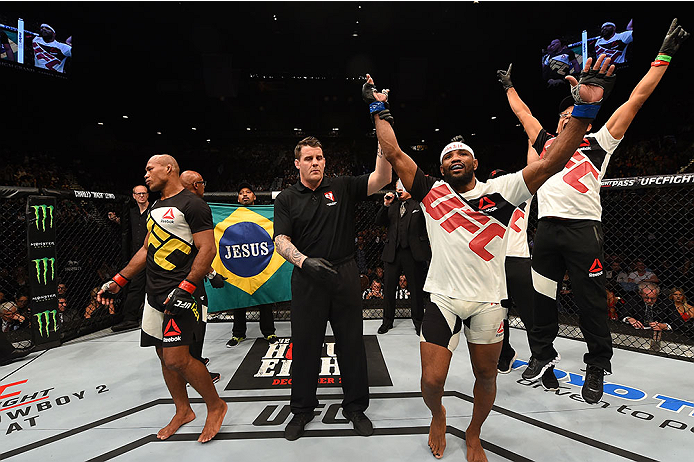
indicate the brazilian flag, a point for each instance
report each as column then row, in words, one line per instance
column 246, row 256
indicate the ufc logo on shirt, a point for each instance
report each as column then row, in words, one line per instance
column 452, row 213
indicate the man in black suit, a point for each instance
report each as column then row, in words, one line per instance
column 406, row 249
column 652, row 313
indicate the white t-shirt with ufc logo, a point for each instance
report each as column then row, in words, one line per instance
column 574, row 192
column 468, row 234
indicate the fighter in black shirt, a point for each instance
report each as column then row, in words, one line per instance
column 177, row 252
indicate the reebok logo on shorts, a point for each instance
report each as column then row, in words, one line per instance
column 596, row 269
column 172, row 333
column 500, row 330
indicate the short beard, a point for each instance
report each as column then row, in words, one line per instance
column 458, row 182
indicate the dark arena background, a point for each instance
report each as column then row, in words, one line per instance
column 228, row 88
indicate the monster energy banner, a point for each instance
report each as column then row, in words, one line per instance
column 41, row 235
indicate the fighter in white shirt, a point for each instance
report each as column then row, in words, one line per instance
column 569, row 232
column 466, row 223
column 48, row 52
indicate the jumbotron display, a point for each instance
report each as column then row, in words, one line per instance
column 35, row 46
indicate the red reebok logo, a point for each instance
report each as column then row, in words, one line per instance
column 597, row 267
column 500, row 330
column 329, row 195
column 485, row 203
column 171, row 329
column 169, row 215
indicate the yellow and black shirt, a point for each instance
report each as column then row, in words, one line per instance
column 170, row 248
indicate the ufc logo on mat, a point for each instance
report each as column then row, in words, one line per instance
column 460, row 215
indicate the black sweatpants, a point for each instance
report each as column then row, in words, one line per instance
column 576, row 246
column 314, row 303
column 416, row 273
column 519, row 286
column 267, row 322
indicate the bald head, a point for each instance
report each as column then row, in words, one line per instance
column 161, row 172
column 193, row 182
column 166, row 160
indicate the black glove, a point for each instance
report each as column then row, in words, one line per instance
column 181, row 298
column 505, row 77
column 674, row 38
column 319, row 268
column 585, row 109
column 113, row 286
column 216, row 279
column 376, row 107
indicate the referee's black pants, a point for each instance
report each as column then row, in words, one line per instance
column 416, row 274
column 519, row 286
column 314, row 303
column 576, row 246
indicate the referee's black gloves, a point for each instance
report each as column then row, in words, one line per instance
column 319, row 268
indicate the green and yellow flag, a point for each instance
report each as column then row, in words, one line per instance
column 246, row 256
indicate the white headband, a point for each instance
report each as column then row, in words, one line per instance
column 48, row 27
column 608, row 23
column 455, row 146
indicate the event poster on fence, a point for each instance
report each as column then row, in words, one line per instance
column 255, row 273
column 41, row 235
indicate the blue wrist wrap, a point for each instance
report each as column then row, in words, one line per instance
column 377, row 106
column 586, row 111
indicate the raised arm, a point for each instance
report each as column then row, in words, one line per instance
column 619, row 122
column 382, row 174
column 403, row 164
column 530, row 124
column 595, row 84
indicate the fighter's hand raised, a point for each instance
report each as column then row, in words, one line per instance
column 377, row 100
column 594, row 85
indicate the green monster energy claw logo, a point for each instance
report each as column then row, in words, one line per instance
column 48, row 315
column 44, row 263
column 46, row 211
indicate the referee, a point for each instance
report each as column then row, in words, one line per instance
column 314, row 230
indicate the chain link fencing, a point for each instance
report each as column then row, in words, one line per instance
column 648, row 225
column 88, row 253
column 647, row 220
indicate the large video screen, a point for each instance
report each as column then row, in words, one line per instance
column 565, row 55
column 35, row 46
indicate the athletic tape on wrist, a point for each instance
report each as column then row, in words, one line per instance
column 585, row 111
column 187, row 286
column 377, row 106
column 120, row 279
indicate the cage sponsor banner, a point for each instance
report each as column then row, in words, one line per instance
column 654, row 181
column 269, row 365
column 255, row 273
column 43, row 305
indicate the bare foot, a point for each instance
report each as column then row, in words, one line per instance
column 176, row 422
column 437, row 434
column 475, row 453
column 215, row 417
